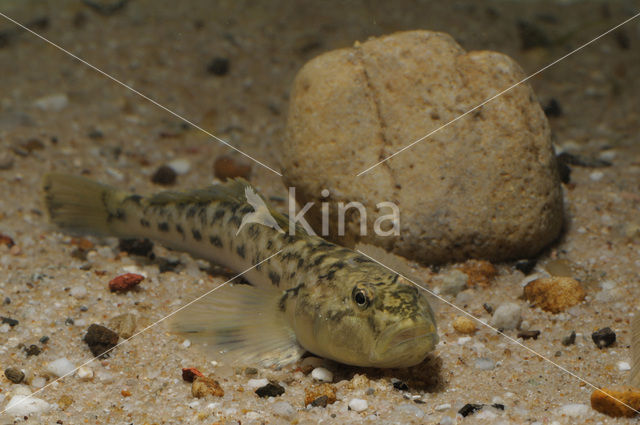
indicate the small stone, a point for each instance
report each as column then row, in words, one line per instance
column 464, row 325
column 6, row 241
column 180, row 165
column 54, row 102
column 228, row 167
column 321, row 374
column 574, row 410
column 250, row 371
column 399, row 385
column 442, row 407
column 190, row 373
column 84, row 373
column 125, row 282
column 554, row 294
column 320, row 401
column 603, row 403
column 283, row 409
column 485, row 363
column 254, row 384
column 218, row 66
column 124, row 325
column 469, row 409
column 9, row 321
column 409, row 409
column 528, row 334
column 6, row 161
column 446, row 420
column 14, row 374
column 272, row 389
column 315, row 392
column 507, row 316
column 480, row 272
column 358, row 404
column 488, row 308
column 69, row 321
column 164, row 175
column 569, row 339
column 596, row 176
column 142, row 247
column 22, row 405
column 552, row 108
column 453, row 282
column 100, row 339
column 64, row 401
column 78, row 292
column 60, row 367
column 33, row 350
column 526, row 266
column 604, row 337
column 203, row 386
column 624, row 366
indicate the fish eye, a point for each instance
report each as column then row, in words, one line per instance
column 360, row 297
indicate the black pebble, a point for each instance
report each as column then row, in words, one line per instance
column 526, row 266
column 69, row 321
column 488, row 308
column 272, row 389
column 14, row 374
column 33, row 350
column 469, row 409
column 569, row 339
column 164, row 175
column 100, row 339
column 218, row 66
column 142, row 247
column 498, row 406
column 95, row 134
column 528, row 334
column 553, row 109
column 563, row 170
column 399, row 385
column 165, row 265
column 44, row 339
column 320, row 401
column 604, row 337
column 7, row 301
column 11, row 322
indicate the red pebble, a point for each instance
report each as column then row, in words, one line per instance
column 6, row 240
column 190, row 373
column 125, row 282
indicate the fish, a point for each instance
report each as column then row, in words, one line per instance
column 312, row 295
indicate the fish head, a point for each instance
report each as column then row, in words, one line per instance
column 378, row 320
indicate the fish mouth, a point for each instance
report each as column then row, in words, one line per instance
column 404, row 346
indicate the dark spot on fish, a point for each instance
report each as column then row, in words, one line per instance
column 246, row 209
column 275, row 278
column 203, row 216
column 319, row 259
column 196, row 234
column 234, row 208
column 300, row 262
column 163, row 227
column 325, row 244
column 234, row 219
column 144, row 223
column 134, row 198
column 218, row 215
column 338, row 265
column 179, row 229
column 253, row 231
column 215, row 241
column 362, row 260
column 191, row 212
column 329, row 275
column 269, row 244
column 395, row 279
column 240, row 250
column 291, row 292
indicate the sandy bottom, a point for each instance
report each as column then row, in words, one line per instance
column 58, row 114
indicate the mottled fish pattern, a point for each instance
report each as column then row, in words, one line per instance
column 313, row 295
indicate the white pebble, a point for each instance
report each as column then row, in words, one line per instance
column 186, row 343
column 38, row 382
column 284, row 409
column 180, row 165
column 53, row 102
column 574, row 410
column 624, row 366
column 257, row 383
column 21, row 405
column 484, row 363
column 446, row 420
column 60, row 367
column 596, row 176
column 322, row 374
column 443, row 407
column 194, row 404
column 409, row 409
column 358, row 404
column 78, row 292
column 84, row 373
column 507, row 316
column 463, row 340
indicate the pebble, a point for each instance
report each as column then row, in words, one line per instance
column 100, row 339
column 53, row 102
column 602, row 403
column 321, row 401
column 464, row 325
column 480, row 272
column 529, row 334
column 596, row 176
column 604, row 337
column 526, row 266
column 203, row 386
column 78, row 292
column 180, row 165
column 554, row 294
column 453, row 282
column 507, row 316
column 442, row 407
column 409, row 409
column 228, row 167
column 44, row 339
column 64, row 401
column 484, row 363
column 574, row 410
column 124, row 325
column 257, row 383
column 399, row 385
column 32, row 350
column 469, row 409
column 60, row 367
column 569, row 339
column 6, row 240
column 283, row 409
column 272, row 389
column 321, row 374
column 9, row 321
column 218, row 66
column 315, row 392
column 84, row 373
column 358, row 404
column 624, row 366
column 164, row 175
column 21, row 405
column 14, row 374
column 125, row 282
column 446, row 420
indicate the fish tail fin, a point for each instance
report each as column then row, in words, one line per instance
column 240, row 324
column 634, row 377
column 79, row 205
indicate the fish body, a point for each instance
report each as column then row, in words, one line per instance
column 313, row 294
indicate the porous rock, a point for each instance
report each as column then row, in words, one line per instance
column 486, row 186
